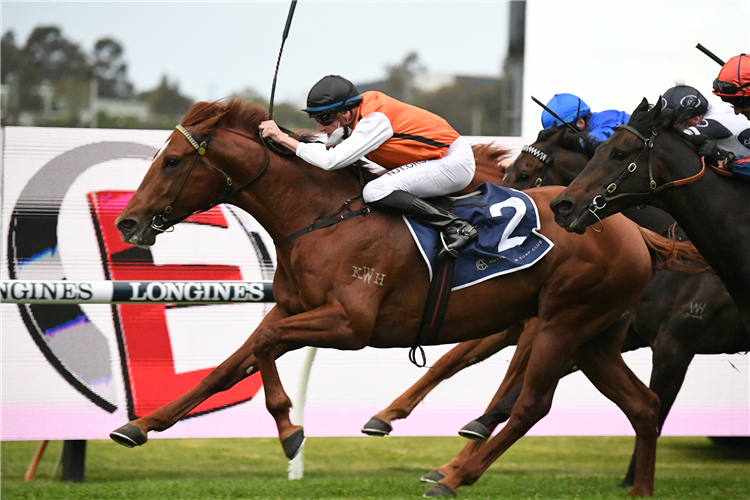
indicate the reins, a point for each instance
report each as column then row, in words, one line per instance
column 158, row 221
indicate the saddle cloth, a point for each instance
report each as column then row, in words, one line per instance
column 507, row 221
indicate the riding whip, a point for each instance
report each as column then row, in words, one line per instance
column 278, row 60
column 546, row 108
column 710, row 54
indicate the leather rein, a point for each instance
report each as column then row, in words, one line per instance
column 159, row 221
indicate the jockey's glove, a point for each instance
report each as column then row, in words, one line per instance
column 714, row 155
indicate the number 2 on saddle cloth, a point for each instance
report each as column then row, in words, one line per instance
column 507, row 222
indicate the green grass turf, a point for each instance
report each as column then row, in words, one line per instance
column 374, row 468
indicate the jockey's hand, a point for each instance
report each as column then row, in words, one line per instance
column 269, row 129
column 714, row 155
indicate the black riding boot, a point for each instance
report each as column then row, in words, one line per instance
column 454, row 232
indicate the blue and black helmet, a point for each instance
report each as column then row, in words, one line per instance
column 332, row 93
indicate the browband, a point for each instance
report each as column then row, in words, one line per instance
column 535, row 153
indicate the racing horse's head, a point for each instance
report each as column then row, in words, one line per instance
column 628, row 169
column 193, row 170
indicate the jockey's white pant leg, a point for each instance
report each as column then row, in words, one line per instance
column 424, row 179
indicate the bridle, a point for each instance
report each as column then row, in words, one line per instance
column 325, row 220
column 159, row 221
column 546, row 160
column 612, row 187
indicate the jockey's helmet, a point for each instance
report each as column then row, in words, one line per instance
column 733, row 82
column 333, row 93
column 569, row 107
column 686, row 97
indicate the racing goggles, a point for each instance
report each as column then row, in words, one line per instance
column 728, row 89
column 325, row 119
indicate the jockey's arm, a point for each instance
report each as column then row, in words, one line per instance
column 372, row 131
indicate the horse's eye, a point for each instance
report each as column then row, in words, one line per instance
column 171, row 162
column 619, row 155
column 523, row 177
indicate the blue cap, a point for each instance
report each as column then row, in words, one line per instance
column 568, row 106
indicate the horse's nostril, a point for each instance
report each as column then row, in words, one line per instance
column 561, row 206
column 127, row 225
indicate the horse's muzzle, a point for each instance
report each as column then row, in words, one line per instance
column 134, row 233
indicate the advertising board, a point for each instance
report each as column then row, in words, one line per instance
column 78, row 371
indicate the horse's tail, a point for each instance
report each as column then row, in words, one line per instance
column 668, row 253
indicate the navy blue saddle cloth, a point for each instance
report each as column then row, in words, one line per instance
column 507, row 221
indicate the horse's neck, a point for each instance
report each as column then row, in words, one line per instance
column 291, row 194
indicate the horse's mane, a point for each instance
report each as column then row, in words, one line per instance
column 239, row 115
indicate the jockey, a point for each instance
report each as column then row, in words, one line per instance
column 717, row 122
column 422, row 154
column 571, row 108
column 733, row 87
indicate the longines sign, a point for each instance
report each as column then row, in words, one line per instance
column 116, row 292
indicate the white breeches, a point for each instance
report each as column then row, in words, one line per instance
column 424, row 179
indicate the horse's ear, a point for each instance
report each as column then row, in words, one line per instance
column 214, row 122
column 643, row 106
column 655, row 112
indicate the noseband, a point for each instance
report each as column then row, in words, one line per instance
column 612, row 187
column 159, row 221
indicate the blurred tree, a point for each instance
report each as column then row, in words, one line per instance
column 471, row 105
column 46, row 58
column 399, row 82
column 166, row 99
column 10, row 55
column 110, row 70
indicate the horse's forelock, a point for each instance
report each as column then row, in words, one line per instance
column 240, row 114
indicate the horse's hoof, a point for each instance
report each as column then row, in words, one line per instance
column 475, row 430
column 293, row 444
column 432, row 477
column 376, row 427
column 440, row 490
column 626, row 483
column 129, row 435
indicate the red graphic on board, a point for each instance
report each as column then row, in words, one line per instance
column 145, row 346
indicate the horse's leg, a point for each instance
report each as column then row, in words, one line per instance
column 235, row 368
column 326, row 326
column 601, row 361
column 670, row 364
column 461, row 356
column 547, row 360
column 507, row 393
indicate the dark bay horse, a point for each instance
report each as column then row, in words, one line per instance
column 650, row 162
column 578, row 291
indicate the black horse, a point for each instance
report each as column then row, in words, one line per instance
column 649, row 161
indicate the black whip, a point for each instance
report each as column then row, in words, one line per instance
column 710, row 54
column 281, row 49
column 555, row 114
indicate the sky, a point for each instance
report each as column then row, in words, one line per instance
column 215, row 48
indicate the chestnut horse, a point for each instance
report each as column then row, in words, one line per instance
column 649, row 161
column 578, row 291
